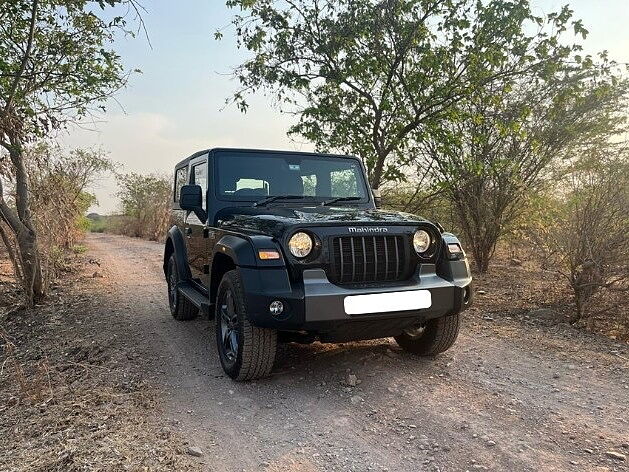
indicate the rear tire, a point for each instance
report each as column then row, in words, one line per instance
column 181, row 308
column 246, row 351
column 436, row 336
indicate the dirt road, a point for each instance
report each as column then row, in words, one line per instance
column 506, row 397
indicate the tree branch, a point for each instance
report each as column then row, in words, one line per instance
column 25, row 58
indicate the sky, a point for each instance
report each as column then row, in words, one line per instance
column 176, row 106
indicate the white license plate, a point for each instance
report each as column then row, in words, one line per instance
column 386, row 302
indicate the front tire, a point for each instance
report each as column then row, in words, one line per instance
column 246, row 351
column 434, row 337
column 181, row 308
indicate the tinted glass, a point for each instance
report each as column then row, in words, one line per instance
column 181, row 178
column 199, row 173
column 254, row 176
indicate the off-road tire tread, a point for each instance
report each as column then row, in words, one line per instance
column 186, row 310
column 440, row 335
column 259, row 345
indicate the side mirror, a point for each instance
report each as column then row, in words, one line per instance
column 377, row 197
column 191, row 199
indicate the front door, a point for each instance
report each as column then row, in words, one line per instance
column 194, row 227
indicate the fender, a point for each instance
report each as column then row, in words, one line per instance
column 181, row 253
column 451, row 238
column 243, row 250
column 456, row 270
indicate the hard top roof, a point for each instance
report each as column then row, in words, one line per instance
column 260, row 151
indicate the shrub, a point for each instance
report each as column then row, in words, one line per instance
column 58, row 190
column 145, row 206
column 586, row 237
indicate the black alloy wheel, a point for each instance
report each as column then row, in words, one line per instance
column 173, row 294
column 228, row 327
column 246, row 351
column 432, row 337
column 181, row 308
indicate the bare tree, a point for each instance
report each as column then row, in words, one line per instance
column 586, row 238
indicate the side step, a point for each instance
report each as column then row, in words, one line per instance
column 197, row 299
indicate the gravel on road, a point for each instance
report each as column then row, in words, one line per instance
column 508, row 396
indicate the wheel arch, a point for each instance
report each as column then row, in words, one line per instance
column 235, row 251
column 238, row 248
column 175, row 245
column 221, row 264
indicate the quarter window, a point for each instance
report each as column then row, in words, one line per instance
column 181, row 178
column 199, row 173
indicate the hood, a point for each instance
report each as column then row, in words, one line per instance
column 275, row 221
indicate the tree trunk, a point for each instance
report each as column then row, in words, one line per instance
column 578, row 306
column 480, row 228
column 378, row 170
column 22, row 226
column 12, row 256
column 475, row 237
column 32, row 276
column 481, row 256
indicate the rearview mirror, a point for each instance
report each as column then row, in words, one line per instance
column 191, row 199
column 377, row 197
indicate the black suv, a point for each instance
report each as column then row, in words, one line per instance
column 289, row 246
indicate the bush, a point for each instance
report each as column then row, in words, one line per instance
column 145, row 206
column 586, row 236
column 423, row 201
column 58, row 184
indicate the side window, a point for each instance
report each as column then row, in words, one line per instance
column 181, row 178
column 344, row 183
column 199, row 174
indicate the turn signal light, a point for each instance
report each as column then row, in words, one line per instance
column 454, row 248
column 268, row 254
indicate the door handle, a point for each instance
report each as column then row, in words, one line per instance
column 188, row 231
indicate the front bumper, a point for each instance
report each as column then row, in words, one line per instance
column 316, row 305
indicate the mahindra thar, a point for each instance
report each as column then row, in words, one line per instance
column 291, row 247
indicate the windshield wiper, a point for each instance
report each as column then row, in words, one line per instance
column 267, row 200
column 341, row 199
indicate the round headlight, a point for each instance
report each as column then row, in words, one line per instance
column 421, row 241
column 300, row 244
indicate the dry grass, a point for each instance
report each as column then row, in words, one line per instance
column 70, row 399
column 518, row 290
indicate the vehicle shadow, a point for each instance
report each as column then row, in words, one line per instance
column 318, row 360
column 302, row 362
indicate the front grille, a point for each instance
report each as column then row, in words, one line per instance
column 369, row 259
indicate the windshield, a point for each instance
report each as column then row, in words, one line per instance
column 251, row 177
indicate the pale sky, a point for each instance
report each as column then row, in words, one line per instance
column 174, row 107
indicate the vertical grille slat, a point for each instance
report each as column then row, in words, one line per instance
column 364, row 260
column 341, row 255
column 353, row 260
column 369, row 259
column 397, row 259
column 386, row 259
column 375, row 259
